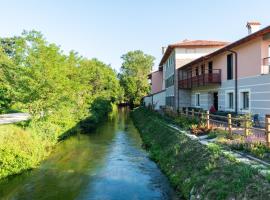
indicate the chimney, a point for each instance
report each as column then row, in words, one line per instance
column 163, row 50
column 253, row 26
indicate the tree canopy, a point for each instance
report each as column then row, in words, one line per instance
column 56, row 89
column 133, row 77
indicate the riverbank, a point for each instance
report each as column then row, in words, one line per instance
column 25, row 144
column 108, row 163
column 196, row 170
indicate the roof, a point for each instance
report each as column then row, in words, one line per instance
column 231, row 46
column 191, row 44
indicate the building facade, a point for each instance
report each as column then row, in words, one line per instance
column 234, row 78
column 177, row 55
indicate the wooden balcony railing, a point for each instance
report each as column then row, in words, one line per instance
column 266, row 61
column 204, row 79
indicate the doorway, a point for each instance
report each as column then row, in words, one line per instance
column 215, row 100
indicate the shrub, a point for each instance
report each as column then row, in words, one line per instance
column 19, row 150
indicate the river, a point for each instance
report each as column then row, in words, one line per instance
column 107, row 164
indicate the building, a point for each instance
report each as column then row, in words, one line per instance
column 177, row 55
column 156, row 98
column 233, row 78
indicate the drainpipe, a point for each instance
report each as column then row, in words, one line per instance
column 178, row 102
column 236, row 80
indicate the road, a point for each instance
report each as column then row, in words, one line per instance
column 13, row 118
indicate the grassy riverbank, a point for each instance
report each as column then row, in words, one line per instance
column 25, row 145
column 195, row 170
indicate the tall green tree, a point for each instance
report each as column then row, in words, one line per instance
column 58, row 90
column 133, row 76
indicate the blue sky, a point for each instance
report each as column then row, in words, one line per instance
column 106, row 29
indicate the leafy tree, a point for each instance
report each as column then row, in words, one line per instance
column 58, row 90
column 133, row 77
column 5, row 96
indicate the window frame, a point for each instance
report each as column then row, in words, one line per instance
column 227, row 100
column 241, row 100
column 210, row 67
column 198, row 100
column 231, row 74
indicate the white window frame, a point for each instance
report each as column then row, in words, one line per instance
column 196, row 105
column 241, row 98
column 227, row 100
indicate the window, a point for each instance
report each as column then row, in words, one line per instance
column 169, row 81
column 197, row 71
column 170, row 101
column 230, row 100
column 197, row 96
column 245, row 100
column 229, row 67
column 210, row 67
column 202, row 69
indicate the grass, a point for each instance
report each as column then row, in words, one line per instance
column 194, row 169
column 19, row 150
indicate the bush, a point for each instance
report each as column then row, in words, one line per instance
column 19, row 150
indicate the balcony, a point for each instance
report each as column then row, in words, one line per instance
column 266, row 65
column 266, row 61
column 207, row 78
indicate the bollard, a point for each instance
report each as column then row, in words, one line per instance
column 230, row 124
column 207, row 119
column 267, row 129
column 192, row 113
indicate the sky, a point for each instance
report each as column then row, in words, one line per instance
column 107, row 29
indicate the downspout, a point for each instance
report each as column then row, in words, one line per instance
column 236, row 80
column 178, row 102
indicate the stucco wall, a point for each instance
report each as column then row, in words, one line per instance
column 250, row 59
column 159, row 100
column 157, row 78
column 147, row 100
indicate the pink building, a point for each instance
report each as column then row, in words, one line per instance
column 157, row 97
column 233, row 78
column 156, row 79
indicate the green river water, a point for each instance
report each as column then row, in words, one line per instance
column 107, row 164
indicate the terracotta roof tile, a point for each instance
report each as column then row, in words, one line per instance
column 191, row 44
column 199, row 43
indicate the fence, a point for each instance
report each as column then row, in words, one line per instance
column 234, row 125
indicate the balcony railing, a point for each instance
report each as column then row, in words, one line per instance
column 266, row 65
column 205, row 79
column 266, row 61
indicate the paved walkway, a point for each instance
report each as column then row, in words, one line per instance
column 13, row 118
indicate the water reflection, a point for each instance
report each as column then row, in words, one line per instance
column 106, row 164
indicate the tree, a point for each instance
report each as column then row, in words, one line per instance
column 133, row 77
column 58, row 90
column 5, row 96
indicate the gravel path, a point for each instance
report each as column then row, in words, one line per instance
column 13, row 118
